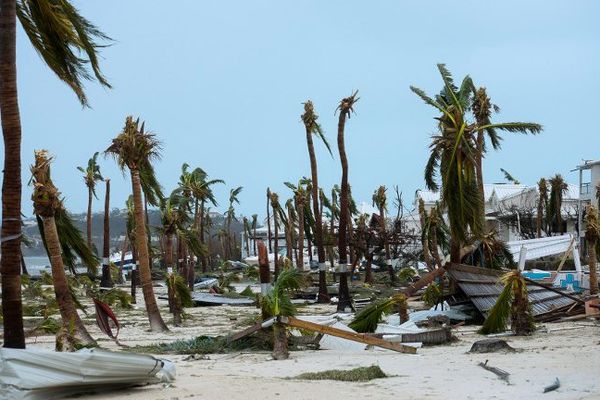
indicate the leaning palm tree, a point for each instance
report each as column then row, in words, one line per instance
column 46, row 203
column 312, row 127
column 66, row 41
column 346, row 108
column 454, row 158
column 558, row 188
column 134, row 148
column 542, row 204
column 482, row 110
column 592, row 233
column 513, row 301
column 91, row 175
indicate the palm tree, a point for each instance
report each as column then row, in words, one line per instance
column 289, row 229
column 233, row 198
column 542, row 204
column 513, row 301
column 91, row 175
column 558, row 187
column 106, row 280
column 277, row 303
column 247, row 235
column 482, row 110
column 134, row 148
column 66, row 41
column 46, row 203
column 131, row 236
column 301, row 201
column 454, row 153
column 254, row 226
column 592, row 233
column 380, row 201
column 269, row 219
column 346, row 108
column 197, row 185
column 275, row 206
column 425, row 235
column 312, row 127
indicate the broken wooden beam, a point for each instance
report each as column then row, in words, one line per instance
column 356, row 337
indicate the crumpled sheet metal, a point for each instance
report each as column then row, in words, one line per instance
column 37, row 374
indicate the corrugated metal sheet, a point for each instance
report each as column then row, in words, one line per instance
column 483, row 286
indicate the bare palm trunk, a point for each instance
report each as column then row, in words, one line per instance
column 106, row 280
column 288, row 236
column 156, row 322
column 344, row 303
column 89, row 220
column 254, row 240
column 269, row 219
column 369, row 268
column 479, row 172
column 592, row 261
column 300, row 257
column 134, row 273
column 323, row 296
column 386, row 245
column 276, row 245
column 280, row 342
column 68, row 313
column 23, row 266
column 10, row 263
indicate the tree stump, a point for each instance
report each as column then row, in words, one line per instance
column 490, row 346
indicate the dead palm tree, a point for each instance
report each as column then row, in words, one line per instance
column 275, row 207
column 254, row 226
column 91, row 175
column 425, row 235
column 66, row 41
column 106, row 280
column 541, row 206
column 46, row 202
column 592, row 233
column 269, row 237
column 482, row 110
column 312, row 127
column 345, row 108
column 134, row 148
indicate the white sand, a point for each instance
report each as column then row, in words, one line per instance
column 569, row 351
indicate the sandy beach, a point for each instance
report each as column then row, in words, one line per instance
column 568, row 351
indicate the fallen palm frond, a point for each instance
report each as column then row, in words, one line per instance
column 368, row 318
column 432, row 295
column 208, row 345
column 360, row 374
column 513, row 301
column 180, row 289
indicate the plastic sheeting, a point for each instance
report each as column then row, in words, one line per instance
column 35, row 374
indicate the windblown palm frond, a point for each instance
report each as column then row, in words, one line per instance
column 310, row 122
column 67, row 42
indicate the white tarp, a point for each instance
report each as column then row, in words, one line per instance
column 36, row 374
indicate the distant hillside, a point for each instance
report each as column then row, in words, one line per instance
column 118, row 220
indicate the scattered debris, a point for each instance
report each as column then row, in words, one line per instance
column 208, row 299
column 499, row 372
column 360, row 374
column 348, row 335
column 552, row 387
column 490, row 346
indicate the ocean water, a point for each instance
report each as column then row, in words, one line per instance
column 36, row 264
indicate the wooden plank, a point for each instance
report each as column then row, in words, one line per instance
column 248, row 331
column 356, row 337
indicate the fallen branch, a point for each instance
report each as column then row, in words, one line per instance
column 499, row 372
column 552, row 387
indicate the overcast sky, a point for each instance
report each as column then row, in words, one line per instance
column 222, row 84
